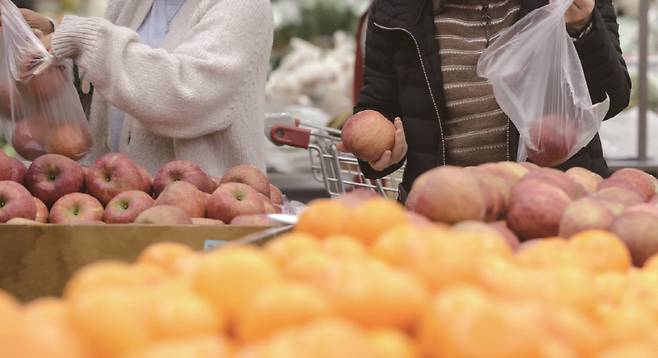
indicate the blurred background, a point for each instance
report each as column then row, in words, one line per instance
column 313, row 63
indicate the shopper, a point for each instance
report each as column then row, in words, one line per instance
column 174, row 79
column 420, row 66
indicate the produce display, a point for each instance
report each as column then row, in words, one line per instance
column 114, row 190
column 359, row 277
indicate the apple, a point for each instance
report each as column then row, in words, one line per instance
column 112, row 174
column 494, row 198
column 52, row 176
column 70, row 139
column 48, row 83
column 559, row 179
column 182, row 170
column 553, row 139
column 164, row 215
column 42, row 211
column 619, row 195
column 367, row 135
column 231, row 200
column 185, row 196
column 587, row 213
column 6, row 167
column 510, row 237
column 588, row 180
column 25, row 140
column 639, row 231
column 206, row 222
column 511, row 172
column 15, row 202
column 5, row 100
column 254, row 220
column 22, row 221
column 276, row 196
column 147, row 180
column 530, row 166
column 647, row 208
column 18, row 170
column 448, row 195
column 356, row 197
column 624, row 184
column 641, row 181
column 250, row 175
column 215, row 182
column 536, row 209
column 125, row 207
column 76, row 207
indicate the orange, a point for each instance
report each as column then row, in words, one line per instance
column 280, row 305
column 463, row 321
column 343, row 247
column 610, row 286
column 228, row 278
column 7, row 303
column 391, row 343
column 285, row 248
column 164, row 254
column 602, row 251
column 197, row 347
column 325, row 338
column 111, row 321
column 177, row 312
column 374, row 217
column 312, row 267
column 113, row 275
column 323, row 218
column 630, row 350
column 623, row 323
column 652, row 263
column 548, row 253
column 577, row 331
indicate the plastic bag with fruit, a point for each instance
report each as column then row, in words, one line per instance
column 46, row 113
column 538, row 81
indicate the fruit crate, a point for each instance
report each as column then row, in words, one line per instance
column 38, row 260
column 339, row 171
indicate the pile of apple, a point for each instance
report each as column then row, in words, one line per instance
column 115, row 190
column 537, row 203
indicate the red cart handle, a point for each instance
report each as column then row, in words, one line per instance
column 289, row 135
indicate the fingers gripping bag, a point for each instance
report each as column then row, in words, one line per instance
column 46, row 113
column 538, row 81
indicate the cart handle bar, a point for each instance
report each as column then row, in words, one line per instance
column 293, row 136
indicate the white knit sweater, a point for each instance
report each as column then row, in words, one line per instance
column 199, row 98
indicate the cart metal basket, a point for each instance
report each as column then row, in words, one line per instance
column 339, row 171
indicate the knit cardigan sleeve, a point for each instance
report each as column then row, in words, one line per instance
column 186, row 93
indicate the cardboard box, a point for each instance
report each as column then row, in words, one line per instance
column 37, row 261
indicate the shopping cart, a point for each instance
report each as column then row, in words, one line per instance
column 339, row 171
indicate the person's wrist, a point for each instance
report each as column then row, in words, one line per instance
column 576, row 29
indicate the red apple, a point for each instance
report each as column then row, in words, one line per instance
column 646, row 208
column 639, row 231
column 18, row 170
column 76, row 207
column 52, row 176
column 552, row 138
column 495, row 199
column 215, row 182
column 42, row 211
column 641, row 181
column 511, row 172
column 6, row 167
column 585, row 214
column 621, row 196
column 367, row 135
column 70, row 139
column 588, row 180
column 624, row 184
column 25, row 140
column 254, row 220
column 448, row 195
column 536, row 208
column 185, row 196
column 164, row 215
column 48, row 83
column 147, row 180
column 182, row 170
column 207, row 222
column 22, row 221
column 112, row 174
column 250, row 175
column 510, row 237
column 126, row 207
column 529, row 166
column 231, row 200
column 356, row 197
column 276, row 196
column 15, row 202
column 559, row 179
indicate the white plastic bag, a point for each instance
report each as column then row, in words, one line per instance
column 44, row 106
column 538, row 81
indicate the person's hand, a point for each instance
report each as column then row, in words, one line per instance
column 393, row 156
column 579, row 15
column 38, row 21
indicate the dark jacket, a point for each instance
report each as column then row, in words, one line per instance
column 403, row 78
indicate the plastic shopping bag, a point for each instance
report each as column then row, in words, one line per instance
column 538, row 81
column 38, row 94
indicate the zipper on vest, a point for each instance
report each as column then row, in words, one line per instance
column 427, row 81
